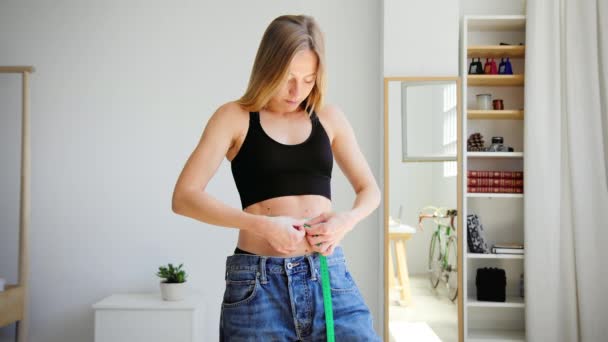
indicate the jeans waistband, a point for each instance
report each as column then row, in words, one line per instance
column 278, row 265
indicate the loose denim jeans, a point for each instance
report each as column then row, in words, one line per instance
column 281, row 299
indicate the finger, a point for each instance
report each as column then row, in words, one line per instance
column 312, row 242
column 298, row 223
column 325, row 249
column 315, row 244
column 318, row 229
column 317, row 219
column 315, row 239
column 318, row 247
column 322, row 247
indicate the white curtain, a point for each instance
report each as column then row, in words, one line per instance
column 565, row 170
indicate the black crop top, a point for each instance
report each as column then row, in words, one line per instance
column 265, row 168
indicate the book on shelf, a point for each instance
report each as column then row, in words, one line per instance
column 506, row 182
column 507, row 251
column 495, row 174
column 496, row 189
column 508, row 248
column 508, row 245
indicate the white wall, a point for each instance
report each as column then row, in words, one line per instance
column 421, row 38
column 121, row 93
column 492, row 7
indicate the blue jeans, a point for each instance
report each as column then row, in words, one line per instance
column 281, row 299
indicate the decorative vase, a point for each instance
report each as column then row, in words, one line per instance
column 172, row 291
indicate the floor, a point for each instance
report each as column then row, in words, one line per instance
column 431, row 316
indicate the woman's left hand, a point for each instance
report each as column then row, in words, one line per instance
column 324, row 232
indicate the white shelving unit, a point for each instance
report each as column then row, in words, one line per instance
column 501, row 214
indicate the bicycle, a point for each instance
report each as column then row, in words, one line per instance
column 443, row 252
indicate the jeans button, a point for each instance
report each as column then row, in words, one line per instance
column 289, row 265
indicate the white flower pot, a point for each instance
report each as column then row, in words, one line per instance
column 173, row 291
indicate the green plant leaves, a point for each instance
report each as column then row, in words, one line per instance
column 172, row 274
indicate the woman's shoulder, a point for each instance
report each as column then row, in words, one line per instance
column 229, row 116
column 331, row 112
column 332, row 118
column 231, row 110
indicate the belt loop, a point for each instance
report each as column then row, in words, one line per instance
column 313, row 271
column 262, row 270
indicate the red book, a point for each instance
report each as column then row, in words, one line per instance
column 495, row 189
column 495, row 182
column 496, row 174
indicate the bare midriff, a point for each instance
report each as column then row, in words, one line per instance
column 299, row 207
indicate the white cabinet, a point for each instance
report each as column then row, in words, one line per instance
column 146, row 317
column 500, row 213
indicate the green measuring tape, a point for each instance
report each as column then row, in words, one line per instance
column 329, row 313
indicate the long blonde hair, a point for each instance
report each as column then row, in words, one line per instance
column 285, row 36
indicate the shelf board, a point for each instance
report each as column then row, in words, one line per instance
column 494, row 195
column 11, row 304
column 495, row 154
column 496, row 335
column 496, row 51
column 493, row 23
column 511, row 302
column 509, row 114
column 495, row 80
column 494, row 256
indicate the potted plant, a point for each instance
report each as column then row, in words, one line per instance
column 173, row 285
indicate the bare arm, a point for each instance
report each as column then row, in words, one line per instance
column 189, row 196
column 354, row 166
column 328, row 229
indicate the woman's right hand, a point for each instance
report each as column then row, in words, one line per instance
column 284, row 233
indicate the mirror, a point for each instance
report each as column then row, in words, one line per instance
column 428, row 118
column 422, row 255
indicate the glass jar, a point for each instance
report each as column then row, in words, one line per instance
column 484, row 101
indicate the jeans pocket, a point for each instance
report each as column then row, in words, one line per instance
column 340, row 279
column 240, row 291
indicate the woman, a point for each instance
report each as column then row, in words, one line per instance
column 281, row 141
